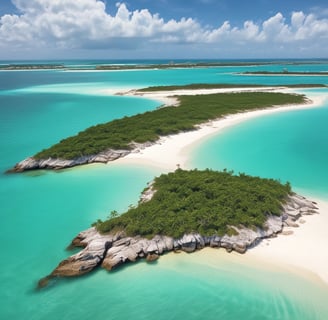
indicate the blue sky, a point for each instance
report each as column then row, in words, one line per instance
column 214, row 12
column 48, row 29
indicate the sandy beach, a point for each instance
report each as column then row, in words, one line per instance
column 172, row 150
column 304, row 250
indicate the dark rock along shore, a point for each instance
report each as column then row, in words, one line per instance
column 111, row 250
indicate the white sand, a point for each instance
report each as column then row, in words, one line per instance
column 175, row 149
column 306, row 248
column 168, row 97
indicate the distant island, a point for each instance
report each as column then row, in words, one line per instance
column 117, row 138
column 197, row 86
column 146, row 66
column 32, row 67
column 286, row 72
column 187, row 211
column 178, row 65
column 187, row 65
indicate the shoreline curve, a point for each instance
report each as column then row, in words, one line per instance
column 168, row 98
column 304, row 249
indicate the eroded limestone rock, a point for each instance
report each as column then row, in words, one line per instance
column 112, row 250
column 57, row 164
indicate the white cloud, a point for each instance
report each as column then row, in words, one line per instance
column 297, row 20
column 275, row 28
column 85, row 24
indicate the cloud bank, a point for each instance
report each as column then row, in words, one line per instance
column 85, row 24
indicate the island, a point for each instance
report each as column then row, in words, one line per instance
column 181, row 210
column 187, row 211
column 286, row 72
column 153, row 66
column 198, row 64
column 182, row 65
column 198, row 86
column 32, row 67
column 109, row 141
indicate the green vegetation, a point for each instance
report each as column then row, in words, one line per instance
column 149, row 126
column 196, row 86
column 172, row 65
column 286, row 72
column 207, row 202
column 31, row 66
column 207, row 64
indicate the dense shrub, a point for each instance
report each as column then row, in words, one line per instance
column 149, row 126
column 207, row 202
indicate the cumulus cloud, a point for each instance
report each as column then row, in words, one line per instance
column 86, row 24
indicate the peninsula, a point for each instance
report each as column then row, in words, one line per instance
column 116, row 139
column 187, row 211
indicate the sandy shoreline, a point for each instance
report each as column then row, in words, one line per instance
column 305, row 249
column 175, row 149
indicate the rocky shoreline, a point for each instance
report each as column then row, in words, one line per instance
column 32, row 163
column 53, row 163
column 114, row 249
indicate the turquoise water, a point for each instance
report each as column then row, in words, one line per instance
column 42, row 211
column 291, row 146
column 33, row 121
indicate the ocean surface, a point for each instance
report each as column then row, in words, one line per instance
column 290, row 146
column 42, row 211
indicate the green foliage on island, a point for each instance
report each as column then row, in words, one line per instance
column 286, row 72
column 200, row 64
column 183, row 65
column 32, row 67
column 148, row 127
column 196, row 86
column 207, row 202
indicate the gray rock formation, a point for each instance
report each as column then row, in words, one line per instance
column 111, row 250
column 56, row 164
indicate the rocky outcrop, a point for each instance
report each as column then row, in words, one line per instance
column 148, row 193
column 112, row 250
column 32, row 163
column 56, row 164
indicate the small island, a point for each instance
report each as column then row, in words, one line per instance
column 181, row 210
column 32, row 67
column 109, row 141
column 182, row 65
column 197, row 86
column 152, row 66
column 187, row 211
column 199, row 64
column 286, row 72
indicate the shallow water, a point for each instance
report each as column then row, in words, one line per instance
column 42, row 211
column 290, row 146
